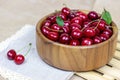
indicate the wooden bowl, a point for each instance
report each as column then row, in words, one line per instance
column 75, row 58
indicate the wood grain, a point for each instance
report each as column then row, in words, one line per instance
column 80, row 58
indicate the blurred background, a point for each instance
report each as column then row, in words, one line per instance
column 14, row 14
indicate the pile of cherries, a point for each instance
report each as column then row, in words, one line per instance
column 79, row 28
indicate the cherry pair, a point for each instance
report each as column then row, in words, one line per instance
column 18, row 58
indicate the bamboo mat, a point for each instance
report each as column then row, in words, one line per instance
column 110, row 71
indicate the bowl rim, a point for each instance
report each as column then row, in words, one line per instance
column 38, row 31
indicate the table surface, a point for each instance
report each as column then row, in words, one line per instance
column 16, row 13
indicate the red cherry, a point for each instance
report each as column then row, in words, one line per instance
column 86, row 42
column 55, row 27
column 71, row 15
column 74, row 42
column 82, row 15
column 77, row 20
column 52, row 18
column 101, row 25
column 97, row 40
column 97, row 31
column 86, row 24
column 108, row 27
column 76, row 34
column 45, row 30
column 66, row 29
column 108, row 32
column 63, row 16
column 65, row 11
column 94, row 24
column 78, row 13
column 54, row 36
column 64, row 38
column 19, row 59
column 11, row 54
column 104, row 37
column 75, row 26
column 47, row 23
column 66, row 23
column 89, row 32
column 93, row 15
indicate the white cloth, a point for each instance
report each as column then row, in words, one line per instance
column 33, row 67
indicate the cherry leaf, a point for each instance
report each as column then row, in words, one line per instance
column 106, row 16
column 59, row 21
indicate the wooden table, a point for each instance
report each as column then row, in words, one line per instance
column 16, row 13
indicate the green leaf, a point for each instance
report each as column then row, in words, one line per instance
column 106, row 16
column 59, row 21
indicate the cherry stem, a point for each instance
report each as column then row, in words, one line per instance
column 24, row 47
column 83, row 28
column 98, row 22
column 53, row 29
column 64, row 5
column 92, row 22
column 28, row 49
column 56, row 11
column 89, row 24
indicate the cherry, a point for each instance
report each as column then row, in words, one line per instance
column 101, row 25
column 55, row 27
column 75, row 26
column 94, row 24
column 93, row 15
column 19, row 59
column 97, row 40
column 47, row 23
column 77, row 20
column 86, row 42
column 65, row 11
column 63, row 16
column 64, row 38
column 45, row 30
column 54, row 36
column 67, row 23
column 66, row 29
column 74, row 42
column 107, row 32
column 76, row 34
column 71, row 15
column 104, row 37
column 89, row 32
column 108, row 27
column 52, row 18
column 82, row 15
column 97, row 31
column 86, row 24
column 11, row 54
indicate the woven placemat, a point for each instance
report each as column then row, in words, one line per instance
column 110, row 71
